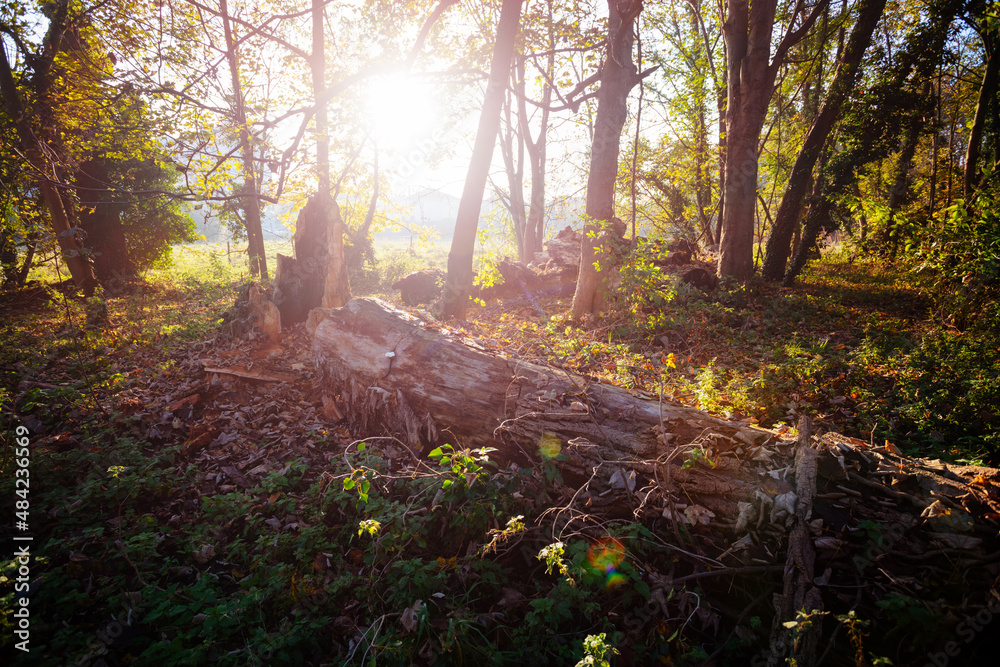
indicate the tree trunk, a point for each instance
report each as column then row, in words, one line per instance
column 536, row 151
column 987, row 96
column 458, row 284
column 800, row 180
column 45, row 177
column 916, row 123
column 618, row 77
column 101, row 220
column 251, row 198
column 751, row 73
column 8, row 258
column 396, row 376
column 361, row 243
column 818, row 216
column 512, row 151
column 317, row 275
column 721, row 98
column 337, row 290
column 299, row 282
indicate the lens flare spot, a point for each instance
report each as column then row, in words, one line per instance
column 549, row 445
column 614, row 580
column 606, row 554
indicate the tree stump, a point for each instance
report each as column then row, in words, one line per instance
column 252, row 310
column 420, row 286
column 299, row 281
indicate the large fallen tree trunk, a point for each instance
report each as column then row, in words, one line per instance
column 398, row 375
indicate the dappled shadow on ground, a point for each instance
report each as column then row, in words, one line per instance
column 866, row 286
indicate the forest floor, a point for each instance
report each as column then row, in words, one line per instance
column 194, row 499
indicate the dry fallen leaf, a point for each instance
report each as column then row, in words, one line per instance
column 203, row 555
column 697, row 514
column 409, row 619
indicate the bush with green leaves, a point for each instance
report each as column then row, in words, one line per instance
column 961, row 257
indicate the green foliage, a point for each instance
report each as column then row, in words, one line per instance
column 597, row 651
column 707, row 387
column 961, row 257
column 552, row 555
column 645, row 287
column 949, row 392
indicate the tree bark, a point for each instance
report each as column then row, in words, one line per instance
column 300, row 281
column 751, row 73
column 361, row 243
column 618, row 77
column 536, row 151
column 987, row 97
column 66, row 234
column 818, row 216
column 512, row 151
column 800, row 179
column 394, row 375
column 101, row 220
column 317, row 275
column 337, row 291
column 251, row 193
column 458, row 284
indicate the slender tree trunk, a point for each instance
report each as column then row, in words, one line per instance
column 45, row 176
column 638, row 131
column 721, row 103
column 317, row 70
column 535, row 233
column 935, row 151
column 337, row 290
column 536, row 150
column 458, row 284
column 901, row 178
column 987, row 97
column 800, row 179
column 251, row 200
column 361, row 244
column 512, row 151
column 816, row 218
column 952, row 122
column 702, row 177
column 618, row 77
column 29, row 258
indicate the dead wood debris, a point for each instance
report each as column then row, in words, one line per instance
column 825, row 523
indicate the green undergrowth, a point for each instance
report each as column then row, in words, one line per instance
column 356, row 562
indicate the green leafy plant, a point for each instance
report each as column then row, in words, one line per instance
column 597, row 651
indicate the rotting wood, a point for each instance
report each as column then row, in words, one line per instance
column 253, row 310
column 800, row 593
column 398, row 375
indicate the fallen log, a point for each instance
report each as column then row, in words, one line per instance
column 397, row 375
